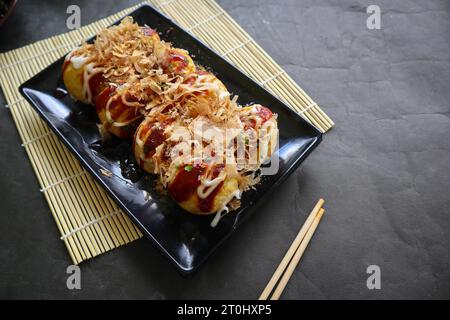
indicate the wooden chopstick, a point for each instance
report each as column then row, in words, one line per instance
column 296, row 259
column 292, row 250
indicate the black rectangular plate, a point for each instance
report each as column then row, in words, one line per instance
column 187, row 240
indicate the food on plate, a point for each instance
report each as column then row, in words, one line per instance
column 260, row 132
column 178, row 62
column 150, row 134
column 122, row 69
column 204, row 188
column 185, row 126
column 81, row 77
column 119, row 114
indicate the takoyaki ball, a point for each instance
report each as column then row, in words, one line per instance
column 178, row 62
column 115, row 116
column 152, row 34
column 213, row 86
column 208, row 95
column 253, row 116
column 149, row 135
column 82, row 79
column 202, row 188
column 260, row 125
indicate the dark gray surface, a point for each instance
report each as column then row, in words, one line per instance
column 384, row 170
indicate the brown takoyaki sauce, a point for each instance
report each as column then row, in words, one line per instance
column 186, row 182
column 117, row 110
column 207, row 204
column 263, row 113
column 65, row 65
column 127, row 73
column 95, row 84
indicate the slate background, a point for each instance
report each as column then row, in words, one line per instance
column 384, row 169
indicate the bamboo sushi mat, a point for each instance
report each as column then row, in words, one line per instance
column 90, row 223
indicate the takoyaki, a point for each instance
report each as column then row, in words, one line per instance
column 82, row 77
column 118, row 115
column 150, row 134
column 203, row 188
column 178, row 62
column 260, row 134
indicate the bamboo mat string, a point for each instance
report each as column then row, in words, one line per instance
column 89, row 222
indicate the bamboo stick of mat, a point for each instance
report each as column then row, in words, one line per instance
column 293, row 249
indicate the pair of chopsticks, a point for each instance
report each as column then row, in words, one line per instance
column 294, row 254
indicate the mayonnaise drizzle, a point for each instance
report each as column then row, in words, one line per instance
column 223, row 95
column 113, row 122
column 78, row 61
column 236, row 194
column 208, row 186
column 89, row 71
